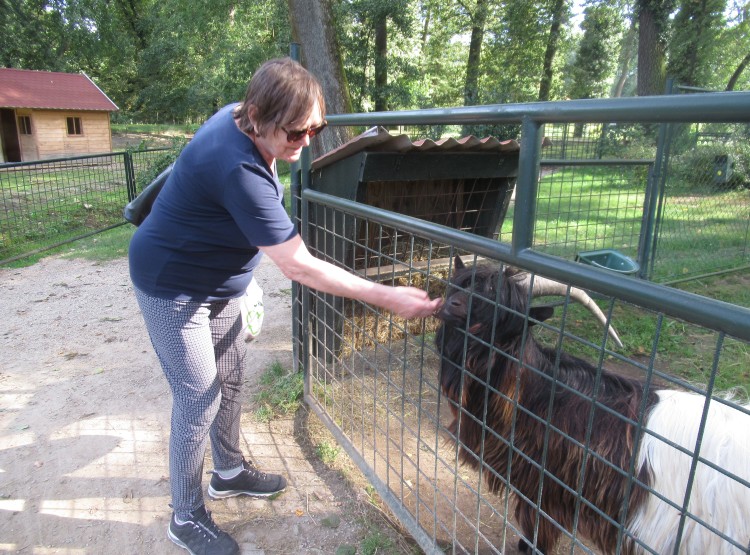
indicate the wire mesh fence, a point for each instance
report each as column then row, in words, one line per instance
column 681, row 211
column 673, row 197
column 704, row 201
column 50, row 202
column 517, row 422
column 502, row 440
column 586, row 205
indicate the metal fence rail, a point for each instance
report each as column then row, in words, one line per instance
column 50, row 202
column 583, row 205
column 374, row 379
column 696, row 172
column 380, row 394
column 700, row 200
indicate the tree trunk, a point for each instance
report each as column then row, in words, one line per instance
column 692, row 64
column 313, row 28
column 651, row 54
column 626, row 54
column 381, row 63
column 471, row 82
column 131, row 13
column 426, row 28
column 471, row 85
column 545, row 85
column 737, row 72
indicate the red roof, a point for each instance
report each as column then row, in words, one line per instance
column 23, row 88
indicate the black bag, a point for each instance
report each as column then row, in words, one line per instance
column 140, row 207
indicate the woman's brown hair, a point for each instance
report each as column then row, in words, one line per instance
column 281, row 92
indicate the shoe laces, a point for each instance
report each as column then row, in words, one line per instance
column 248, row 467
column 206, row 525
column 254, row 472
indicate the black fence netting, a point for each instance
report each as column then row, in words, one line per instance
column 50, row 202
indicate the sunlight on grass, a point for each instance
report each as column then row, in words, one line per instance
column 590, row 208
column 101, row 247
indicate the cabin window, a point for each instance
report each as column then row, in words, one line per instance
column 74, row 126
column 24, row 125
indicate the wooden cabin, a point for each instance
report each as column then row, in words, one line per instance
column 46, row 114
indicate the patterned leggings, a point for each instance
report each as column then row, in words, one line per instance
column 202, row 353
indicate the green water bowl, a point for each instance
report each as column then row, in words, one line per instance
column 609, row 260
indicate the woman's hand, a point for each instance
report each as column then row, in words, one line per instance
column 293, row 258
column 410, row 302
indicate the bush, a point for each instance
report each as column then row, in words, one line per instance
column 628, row 141
column 158, row 163
column 696, row 167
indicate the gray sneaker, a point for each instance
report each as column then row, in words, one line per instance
column 250, row 481
column 201, row 536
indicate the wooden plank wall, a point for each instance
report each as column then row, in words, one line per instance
column 51, row 140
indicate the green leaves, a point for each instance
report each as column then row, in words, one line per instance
column 177, row 61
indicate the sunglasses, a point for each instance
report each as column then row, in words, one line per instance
column 295, row 135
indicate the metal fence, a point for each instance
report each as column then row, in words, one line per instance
column 703, row 199
column 375, row 380
column 673, row 196
column 50, row 202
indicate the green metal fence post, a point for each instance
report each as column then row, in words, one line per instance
column 300, row 301
column 129, row 175
column 526, row 186
column 652, row 207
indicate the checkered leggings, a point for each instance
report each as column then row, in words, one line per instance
column 202, row 353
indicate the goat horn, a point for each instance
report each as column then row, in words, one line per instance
column 544, row 286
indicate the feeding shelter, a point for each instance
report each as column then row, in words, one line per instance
column 464, row 184
column 46, row 114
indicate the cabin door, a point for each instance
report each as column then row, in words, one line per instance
column 9, row 134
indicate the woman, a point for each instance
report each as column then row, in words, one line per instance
column 194, row 256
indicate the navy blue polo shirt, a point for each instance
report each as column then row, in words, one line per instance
column 219, row 204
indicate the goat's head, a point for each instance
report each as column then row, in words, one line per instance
column 491, row 301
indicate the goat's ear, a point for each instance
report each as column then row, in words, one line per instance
column 458, row 264
column 540, row 314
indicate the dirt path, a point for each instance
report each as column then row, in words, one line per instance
column 84, row 422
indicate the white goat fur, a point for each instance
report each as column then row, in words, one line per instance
column 717, row 499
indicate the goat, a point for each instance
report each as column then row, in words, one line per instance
column 527, row 408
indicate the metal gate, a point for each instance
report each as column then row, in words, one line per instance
column 377, row 384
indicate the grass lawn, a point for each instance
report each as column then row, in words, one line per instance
column 578, row 209
column 589, row 208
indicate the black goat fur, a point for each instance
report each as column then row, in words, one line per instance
column 534, row 396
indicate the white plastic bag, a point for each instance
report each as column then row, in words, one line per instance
column 251, row 310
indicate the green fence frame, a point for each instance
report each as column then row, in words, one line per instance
column 723, row 319
column 48, row 203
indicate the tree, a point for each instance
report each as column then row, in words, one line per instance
column 559, row 12
column 52, row 36
column 734, row 37
column 478, row 18
column 154, row 60
column 694, row 40
column 441, row 64
column 313, row 28
column 653, row 25
column 380, row 49
column 375, row 16
column 381, row 62
column 593, row 63
column 516, row 41
column 185, row 78
column 737, row 72
column 628, row 52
